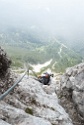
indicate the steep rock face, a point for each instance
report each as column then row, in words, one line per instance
column 73, row 82
column 6, row 76
column 4, row 62
column 32, row 105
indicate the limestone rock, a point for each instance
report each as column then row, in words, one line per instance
column 3, row 122
column 6, row 75
column 75, row 85
column 16, row 116
column 31, row 95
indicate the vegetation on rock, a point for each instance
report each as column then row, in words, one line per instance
column 4, row 62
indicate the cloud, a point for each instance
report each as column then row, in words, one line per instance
column 62, row 17
column 47, row 9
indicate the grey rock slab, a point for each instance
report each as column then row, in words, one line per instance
column 19, row 117
column 44, row 105
column 3, row 122
column 75, row 82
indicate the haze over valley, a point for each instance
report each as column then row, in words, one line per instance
column 39, row 31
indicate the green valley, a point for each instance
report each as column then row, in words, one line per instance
column 24, row 47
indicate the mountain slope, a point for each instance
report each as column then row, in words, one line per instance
column 23, row 48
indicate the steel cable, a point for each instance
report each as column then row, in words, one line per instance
column 10, row 89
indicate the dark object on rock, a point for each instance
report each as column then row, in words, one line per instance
column 29, row 111
column 45, row 78
column 4, row 62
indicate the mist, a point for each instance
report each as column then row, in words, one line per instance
column 59, row 18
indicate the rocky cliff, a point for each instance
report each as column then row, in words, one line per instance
column 32, row 103
column 6, row 76
column 4, row 62
column 72, row 86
